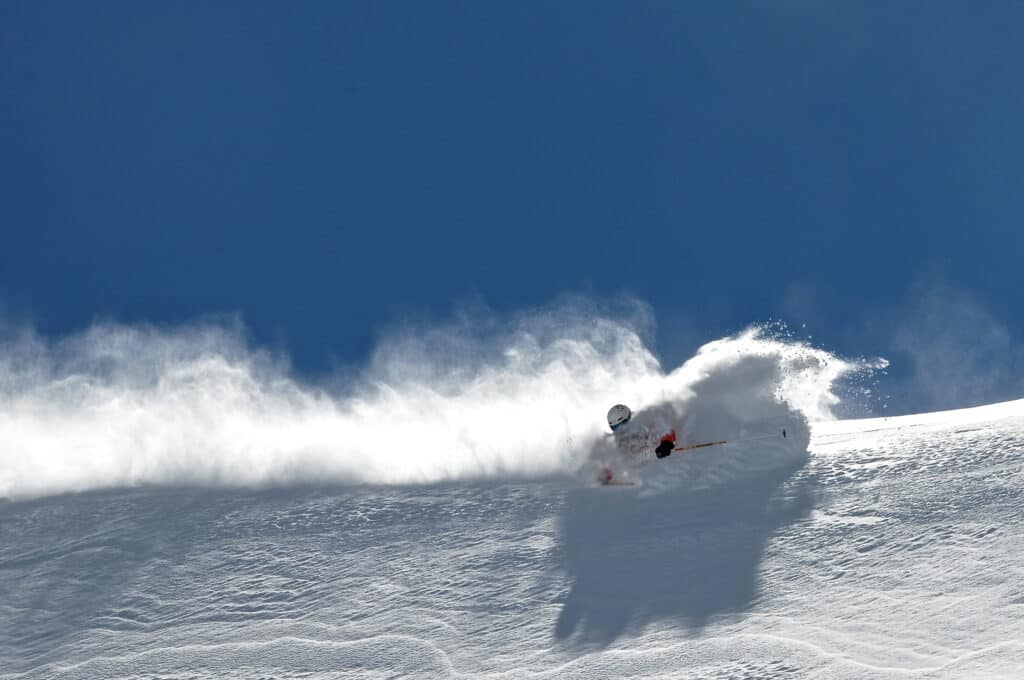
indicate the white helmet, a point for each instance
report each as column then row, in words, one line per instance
column 618, row 416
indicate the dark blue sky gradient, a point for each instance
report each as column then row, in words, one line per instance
column 326, row 169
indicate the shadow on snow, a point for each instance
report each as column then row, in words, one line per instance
column 686, row 555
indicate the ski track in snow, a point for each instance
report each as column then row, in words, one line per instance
column 893, row 550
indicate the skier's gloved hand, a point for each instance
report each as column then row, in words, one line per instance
column 664, row 449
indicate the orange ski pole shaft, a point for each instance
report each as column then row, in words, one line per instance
column 723, row 441
column 698, row 446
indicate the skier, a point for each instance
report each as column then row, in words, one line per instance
column 637, row 434
column 632, row 437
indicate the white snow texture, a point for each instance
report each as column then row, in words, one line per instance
column 121, row 406
column 439, row 518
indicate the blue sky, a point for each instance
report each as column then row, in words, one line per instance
column 329, row 169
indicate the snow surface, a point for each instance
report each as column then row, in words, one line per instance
column 880, row 548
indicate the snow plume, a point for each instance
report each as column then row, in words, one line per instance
column 747, row 389
column 483, row 397
column 958, row 352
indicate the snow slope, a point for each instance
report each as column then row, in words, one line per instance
column 178, row 507
column 891, row 551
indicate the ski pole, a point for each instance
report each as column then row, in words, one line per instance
column 698, row 446
column 724, row 441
